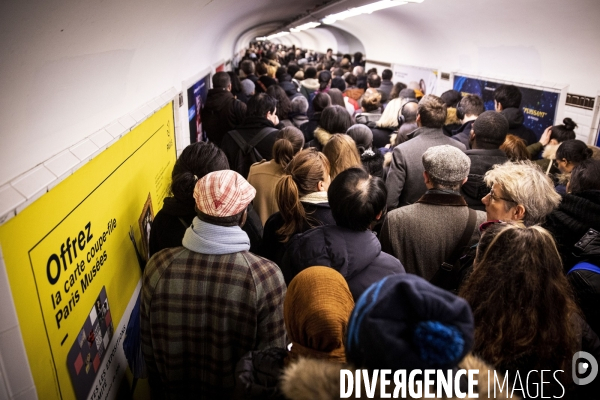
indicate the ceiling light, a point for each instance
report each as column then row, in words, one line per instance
column 366, row 9
column 306, row 26
column 278, row 34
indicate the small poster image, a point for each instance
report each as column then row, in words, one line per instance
column 196, row 96
column 86, row 354
column 538, row 106
column 145, row 221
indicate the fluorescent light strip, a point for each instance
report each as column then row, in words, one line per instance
column 306, row 26
column 366, row 9
column 276, row 35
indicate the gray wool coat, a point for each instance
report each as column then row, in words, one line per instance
column 423, row 235
column 404, row 183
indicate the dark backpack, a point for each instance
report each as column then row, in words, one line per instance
column 247, row 153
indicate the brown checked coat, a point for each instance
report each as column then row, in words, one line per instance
column 201, row 313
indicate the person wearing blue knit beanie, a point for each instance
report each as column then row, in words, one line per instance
column 404, row 322
column 401, row 324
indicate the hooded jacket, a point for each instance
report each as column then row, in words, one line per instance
column 298, row 119
column 463, row 133
column 452, row 122
column 319, row 379
column 321, row 137
column 515, row 118
column 220, row 114
column 356, row 255
column 308, row 86
column 290, row 89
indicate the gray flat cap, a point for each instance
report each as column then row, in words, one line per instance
column 446, row 164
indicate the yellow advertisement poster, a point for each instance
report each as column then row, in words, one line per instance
column 72, row 265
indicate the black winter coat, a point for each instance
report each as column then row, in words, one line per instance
column 354, row 254
column 272, row 248
column 586, row 284
column 170, row 224
column 251, row 127
column 381, row 136
column 481, row 162
column 515, row 119
column 291, row 90
column 308, row 129
column 570, row 221
column 463, row 133
column 220, row 114
column 257, row 374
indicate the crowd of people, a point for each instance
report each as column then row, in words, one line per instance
column 337, row 220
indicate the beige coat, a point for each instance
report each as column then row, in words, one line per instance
column 264, row 176
column 309, row 379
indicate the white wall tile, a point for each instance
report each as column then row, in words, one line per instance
column 146, row 109
column 29, row 394
column 127, row 121
column 8, row 315
column 33, row 181
column 101, row 138
column 14, row 362
column 84, row 149
column 138, row 115
column 62, row 177
column 168, row 95
column 9, row 199
column 155, row 104
column 115, row 129
column 61, row 163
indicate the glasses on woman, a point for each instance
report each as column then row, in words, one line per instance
column 496, row 198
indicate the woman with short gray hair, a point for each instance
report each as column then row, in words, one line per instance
column 519, row 191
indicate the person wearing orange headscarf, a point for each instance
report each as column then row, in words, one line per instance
column 317, row 308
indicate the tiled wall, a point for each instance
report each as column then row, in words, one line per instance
column 585, row 125
column 16, row 382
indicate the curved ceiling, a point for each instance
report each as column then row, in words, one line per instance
column 71, row 67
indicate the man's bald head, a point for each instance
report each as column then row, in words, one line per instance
column 410, row 111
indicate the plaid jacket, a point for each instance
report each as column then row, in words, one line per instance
column 201, row 313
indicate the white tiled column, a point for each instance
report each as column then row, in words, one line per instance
column 16, row 382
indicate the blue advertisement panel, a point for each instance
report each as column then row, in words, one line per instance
column 196, row 96
column 538, row 106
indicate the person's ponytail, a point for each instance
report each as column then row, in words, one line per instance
column 290, row 141
column 290, row 207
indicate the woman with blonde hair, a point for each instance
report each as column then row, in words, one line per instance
column 387, row 124
column 526, row 319
column 302, row 201
column 264, row 175
column 342, row 154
